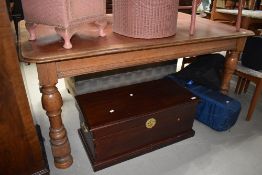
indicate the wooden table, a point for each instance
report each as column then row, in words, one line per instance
column 92, row 54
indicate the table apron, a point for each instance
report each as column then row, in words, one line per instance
column 69, row 68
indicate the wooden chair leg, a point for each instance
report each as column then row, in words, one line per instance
column 253, row 102
column 242, row 85
column 246, row 86
column 238, row 84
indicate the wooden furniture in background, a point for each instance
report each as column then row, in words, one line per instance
column 20, row 149
column 250, row 19
column 113, row 52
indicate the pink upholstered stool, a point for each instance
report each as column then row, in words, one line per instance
column 64, row 15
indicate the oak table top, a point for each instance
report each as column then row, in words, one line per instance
column 91, row 53
column 48, row 46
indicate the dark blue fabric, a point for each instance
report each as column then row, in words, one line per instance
column 205, row 70
column 218, row 111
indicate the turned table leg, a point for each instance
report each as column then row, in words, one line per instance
column 232, row 58
column 52, row 103
column 230, row 66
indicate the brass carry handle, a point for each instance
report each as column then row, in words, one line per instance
column 84, row 127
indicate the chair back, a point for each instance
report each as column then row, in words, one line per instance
column 252, row 54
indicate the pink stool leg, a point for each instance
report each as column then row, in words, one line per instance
column 193, row 17
column 66, row 34
column 239, row 15
column 101, row 26
column 30, row 27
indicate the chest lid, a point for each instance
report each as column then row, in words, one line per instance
column 115, row 109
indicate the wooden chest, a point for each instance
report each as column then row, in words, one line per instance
column 119, row 124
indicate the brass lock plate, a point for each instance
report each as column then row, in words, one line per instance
column 150, row 123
